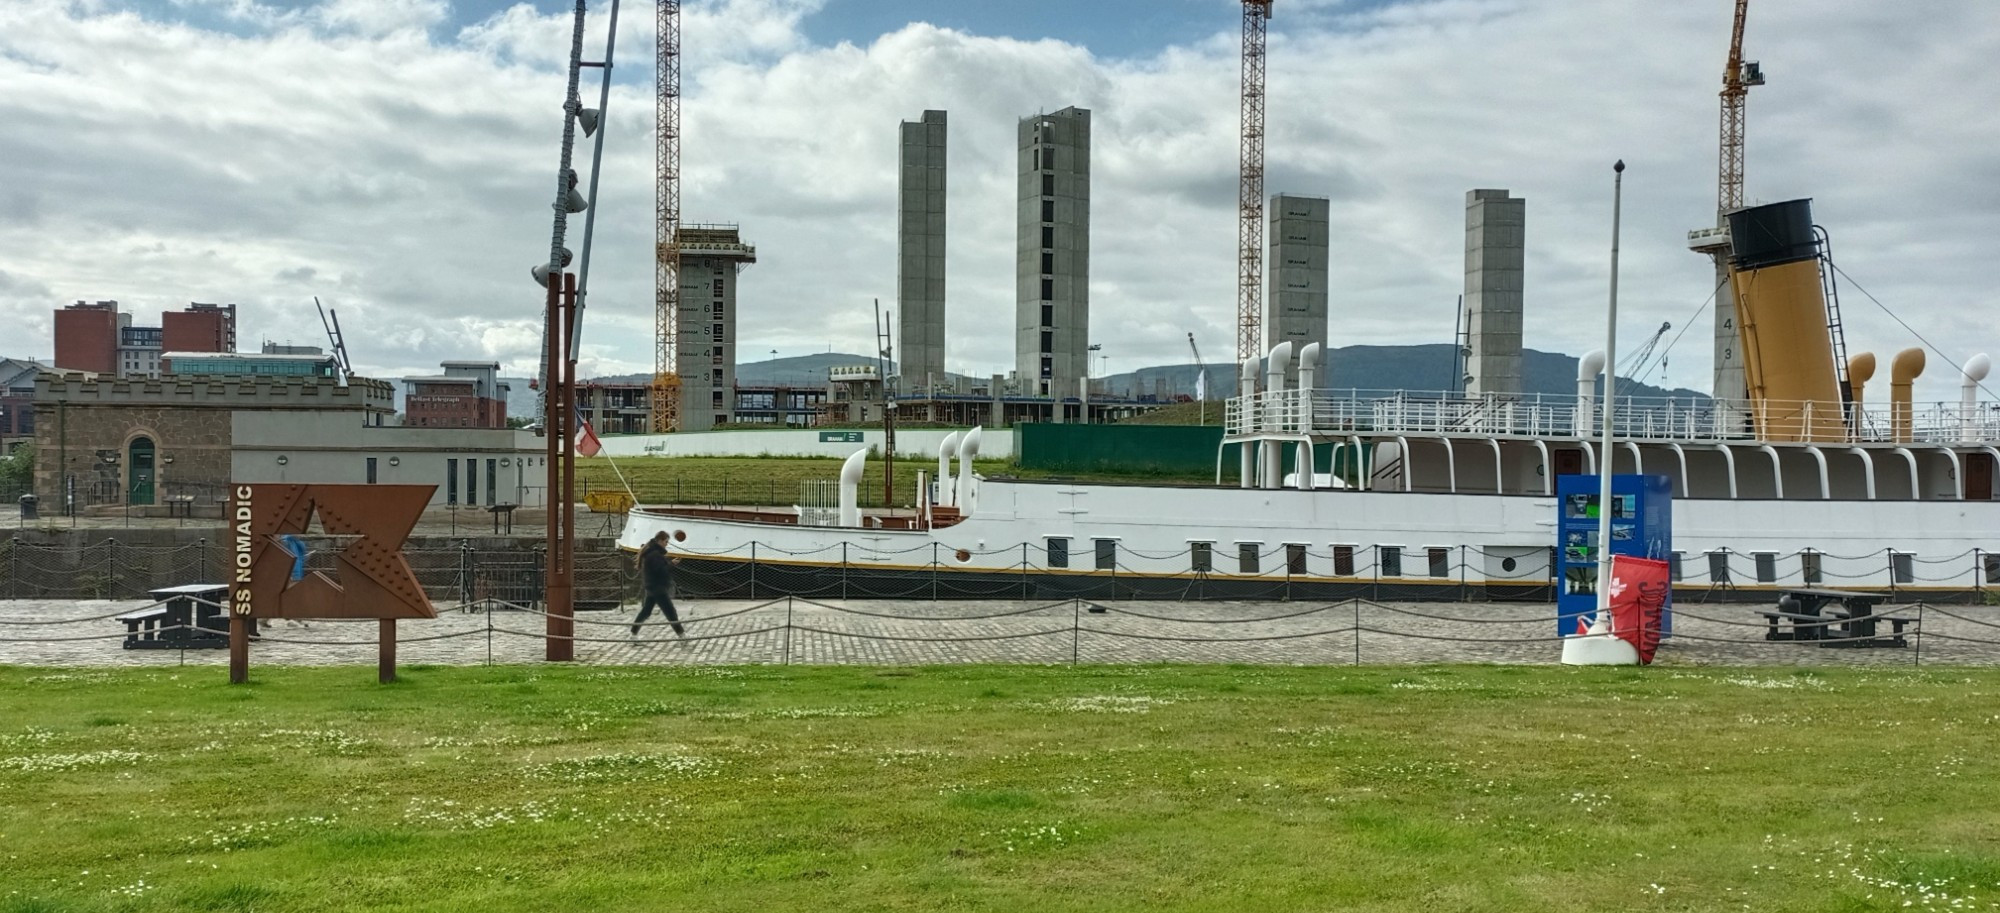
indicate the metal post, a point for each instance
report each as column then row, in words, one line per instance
column 385, row 651
column 1075, row 628
column 1919, row 652
column 239, row 648
column 788, row 631
column 843, row 570
column 1357, row 631
column 753, row 569
column 1610, row 392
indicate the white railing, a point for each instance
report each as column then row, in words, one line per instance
column 1337, row 412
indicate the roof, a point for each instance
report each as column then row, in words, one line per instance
column 249, row 356
column 441, row 379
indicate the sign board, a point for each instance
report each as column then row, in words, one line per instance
column 840, row 437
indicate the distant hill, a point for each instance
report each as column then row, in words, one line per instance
column 1416, row 368
column 1423, row 368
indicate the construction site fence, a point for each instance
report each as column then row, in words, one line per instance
column 795, row 630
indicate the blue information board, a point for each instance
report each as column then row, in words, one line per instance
column 1642, row 526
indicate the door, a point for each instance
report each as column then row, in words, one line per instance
column 1568, row 462
column 1979, row 477
column 139, row 463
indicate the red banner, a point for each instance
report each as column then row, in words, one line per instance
column 1639, row 589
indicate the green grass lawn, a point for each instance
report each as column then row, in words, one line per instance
column 999, row 788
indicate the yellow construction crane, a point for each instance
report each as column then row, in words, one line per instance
column 1250, row 189
column 1737, row 78
column 1738, row 75
column 665, row 396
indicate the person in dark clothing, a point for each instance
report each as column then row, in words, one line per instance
column 656, row 577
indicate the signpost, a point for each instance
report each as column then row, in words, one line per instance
column 840, row 437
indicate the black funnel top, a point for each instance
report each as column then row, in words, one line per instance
column 1771, row 235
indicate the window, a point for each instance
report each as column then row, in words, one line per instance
column 715, row 399
column 1048, row 185
column 1048, row 210
column 1767, row 566
column 1440, row 562
column 1048, row 262
column 1718, row 566
column 1809, row 566
column 1107, row 554
column 1048, row 315
column 1036, row 156
column 1048, row 290
column 1295, row 559
column 371, row 470
column 1048, row 237
column 1246, row 557
column 718, row 286
column 1058, row 551
column 471, row 481
column 715, row 375
column 718, row 332
column 1391, row 562
column 1201, row 557
column 1048, row 341
column 1902, row 567
column 1343, row 560
column 451, row 481
column 492, row 475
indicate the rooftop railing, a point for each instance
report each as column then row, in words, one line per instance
column 1666, row 419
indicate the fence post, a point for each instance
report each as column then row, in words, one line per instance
column 753, row 569
column 1024, row 570
column 934, row 571
column 465, row 572
column 1357, row 631
column 788, row 631
column 1464, row 594
column 1075, row 627
column 1919, row 652
column 843, row 570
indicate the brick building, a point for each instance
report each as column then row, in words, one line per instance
column 199, row 328
column 94, row 336
column 469, row 394
column 137, row 443
column 87, row 336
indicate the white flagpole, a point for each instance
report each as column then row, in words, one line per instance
column 1604, row 458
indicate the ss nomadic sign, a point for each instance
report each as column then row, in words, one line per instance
column 347, row 565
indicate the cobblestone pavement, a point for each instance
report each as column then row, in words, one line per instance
column 902, row 632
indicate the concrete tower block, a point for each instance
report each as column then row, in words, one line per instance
column 1296, row 274
column 1495, row 249
column 920, row 254
column 1052, row 262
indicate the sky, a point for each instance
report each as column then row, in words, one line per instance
column 396, row 158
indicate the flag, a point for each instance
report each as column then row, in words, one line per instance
column 1201, row 385
column 586, row 443
column 1639, row 592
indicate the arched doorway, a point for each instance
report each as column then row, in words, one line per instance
column 139, row 477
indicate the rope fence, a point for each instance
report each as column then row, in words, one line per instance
column 790, row 630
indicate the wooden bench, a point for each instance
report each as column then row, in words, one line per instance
column 186, row 617
column 1848, row 620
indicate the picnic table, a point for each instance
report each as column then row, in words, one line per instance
column 183, row 617
column 1849, row 619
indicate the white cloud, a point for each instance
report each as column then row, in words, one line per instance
column 356, row 152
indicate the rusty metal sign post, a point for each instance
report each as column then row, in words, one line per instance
column 559, row 427
column 271, row 526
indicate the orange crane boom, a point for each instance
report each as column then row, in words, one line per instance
column 665, row 396
column 1250, row 190
column 1738, row 75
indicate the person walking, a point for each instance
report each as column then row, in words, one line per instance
column 656, row 578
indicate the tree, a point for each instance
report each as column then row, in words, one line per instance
column 17, row 470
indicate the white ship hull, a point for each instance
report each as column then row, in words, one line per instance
column 1029, row 539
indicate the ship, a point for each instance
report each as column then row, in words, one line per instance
column 1804, row 481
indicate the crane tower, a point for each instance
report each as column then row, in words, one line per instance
column 1738, row 75
column 1250, row 190
column 666, row 389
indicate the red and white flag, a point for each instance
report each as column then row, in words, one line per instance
column 586, row 440
column 1639, row 592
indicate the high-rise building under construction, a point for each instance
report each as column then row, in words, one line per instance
column 710, row 258
column 1297, row 283
column 920, row 257
column 1052, row 264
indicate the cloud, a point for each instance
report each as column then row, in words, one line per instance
column 403, row 172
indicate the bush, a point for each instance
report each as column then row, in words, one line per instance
column 17, row 471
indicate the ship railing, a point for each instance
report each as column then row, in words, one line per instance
column 1662, row 418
